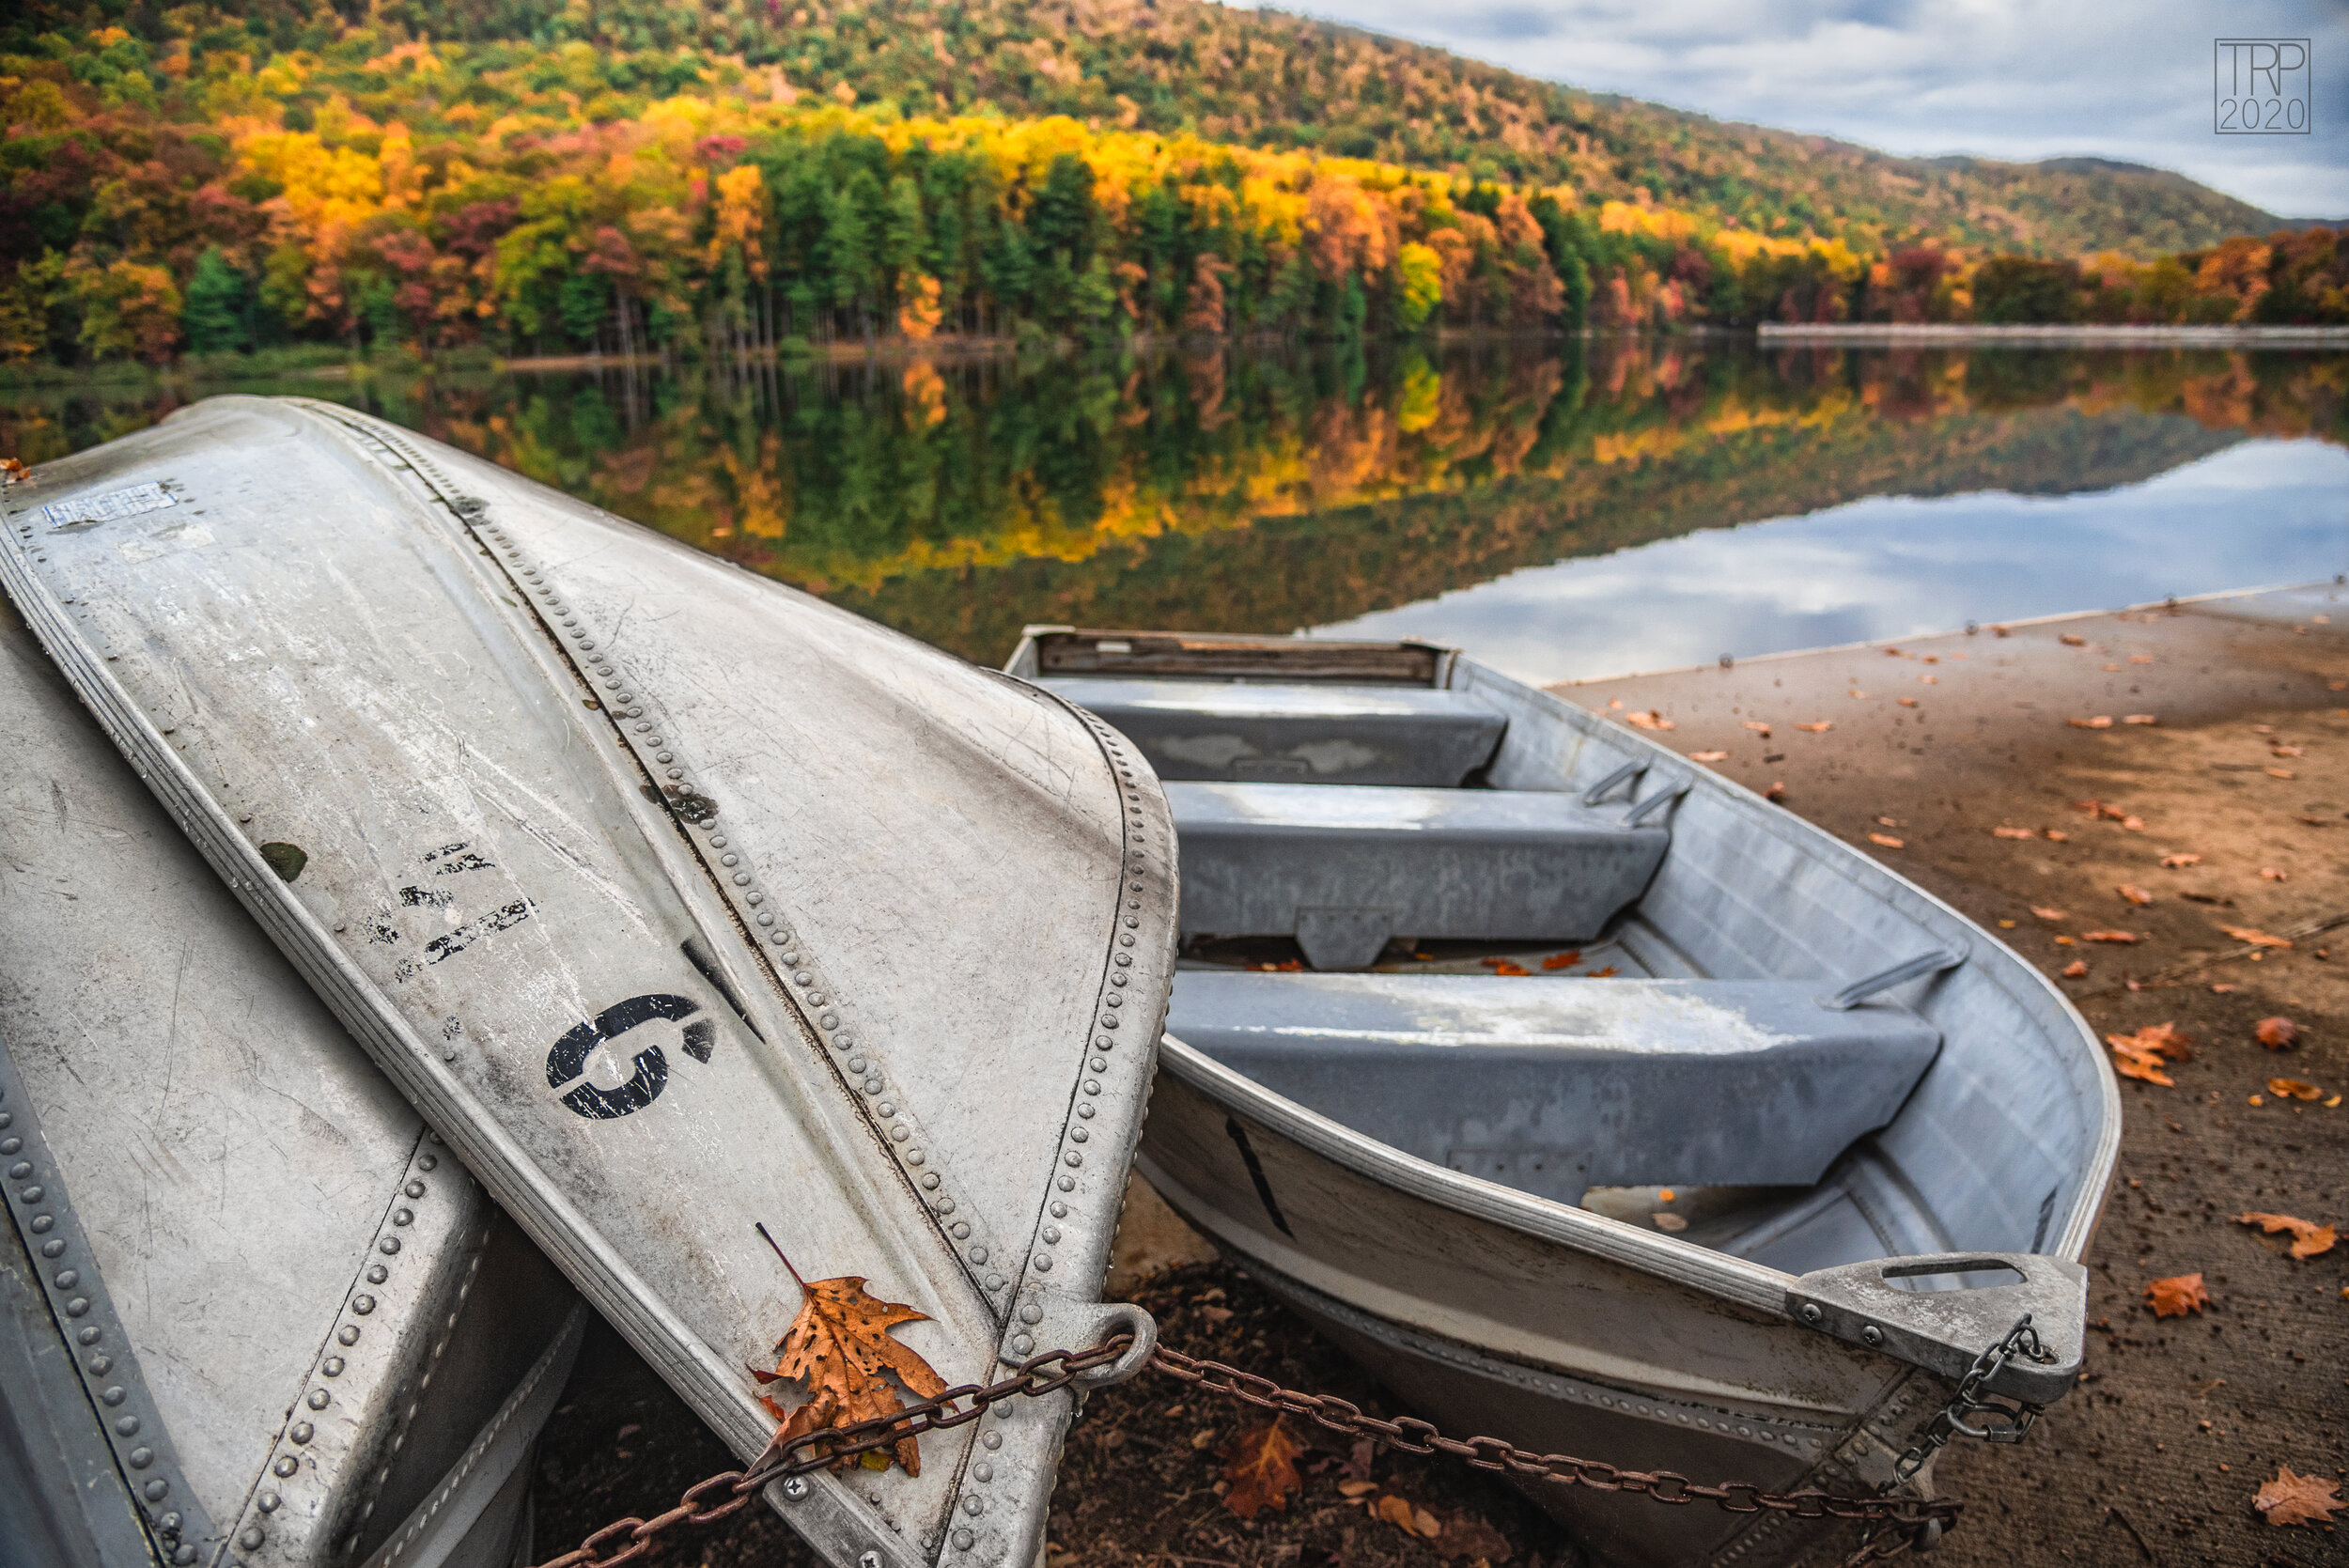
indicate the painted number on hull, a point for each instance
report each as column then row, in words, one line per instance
column 568, row 1058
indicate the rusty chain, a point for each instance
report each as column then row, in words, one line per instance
column 1895, row 1524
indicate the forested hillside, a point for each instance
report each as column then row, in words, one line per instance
column 219, row 189
column 1267, row 79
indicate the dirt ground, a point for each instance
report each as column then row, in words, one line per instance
column 2155, row 1458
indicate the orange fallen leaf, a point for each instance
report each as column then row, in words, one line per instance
column 2141, row 659
column 1889, row 822
column 2174, row 862
column 2102, row 721
column 1262, row 1469
column 1887, row 840
column 2108, row 936
column 2046, row 913
column 1651, row 719
column 2297, row 1499
column 2057, row 835
column 2281, row 773
column 2141, row 719
column 1908, row 702
column 1820, row 728
column 2177, row 1295
column 2145, row 1053
column 1758, row 727
column 2277, row 1034
column 2286, row 751
column 2308, row 1238
column 2133, row 894
column 2066, row 941
column 1603, row 974
column 2269, row 873
column 1562, row 960
column 2011, row 833
column 2254, row 935
column 2293, row 1089
column 2075, row 968
column 2071, row 642
column 1706, row 757
column 2134, row 823
column 837, row 1349
column 1357, row 1488
column 1859, row 693
column 1504, row 966
column 1410, row 1520
column 1776, row 791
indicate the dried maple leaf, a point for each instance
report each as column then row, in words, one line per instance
column 1820, row 728
column 2277, row 1034
column 2254, row 935
column 1651, row 719
column 2134, row 893
column 2011, row 833
column 2177, row 1295
column 2308, row 1238
column 838, row 1348
column 2297, row 1499
column 2076, row 969
column 2122, row 936
column 2174, row 862
column 2293, row 1089
column 1562, row 960
column 2043, row 913
column 1262, row 1469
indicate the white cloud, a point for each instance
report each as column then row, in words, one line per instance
column 2021, row 79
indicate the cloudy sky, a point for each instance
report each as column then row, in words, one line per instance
column 2018, row 79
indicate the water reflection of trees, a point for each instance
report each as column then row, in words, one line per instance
column 959, row 498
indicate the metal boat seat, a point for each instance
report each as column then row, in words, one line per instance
column 1553, row 1086
column 1306, row 732
column 1344, row 868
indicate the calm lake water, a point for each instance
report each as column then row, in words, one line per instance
column 1573, row 512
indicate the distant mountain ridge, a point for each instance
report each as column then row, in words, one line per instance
column 1270, row 78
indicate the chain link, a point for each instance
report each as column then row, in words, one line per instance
column 2007, row 1420
column 1895, row 1524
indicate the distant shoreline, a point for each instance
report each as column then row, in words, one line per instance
column 2216, row 336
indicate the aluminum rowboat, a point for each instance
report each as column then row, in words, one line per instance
column 1746, row 1152
column 255, row 1313
column 678, row 901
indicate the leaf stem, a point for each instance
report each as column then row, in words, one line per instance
column 761, row 1228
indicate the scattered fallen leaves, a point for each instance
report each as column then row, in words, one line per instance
column 1707, row 757
column 2011, row 833
column 1651, row 719
column 2123, row 937
column 1410, row 1520
column 2277, row 1033
column 2254, row 935
column 2077, row 968
column 2293, row 1089
column 2141, row 719
column 2134, row 893
column 2046, row 913
column 2177, row 1295
column 1820, row 728
column 1888, row 841
column 1504, row 966
column 1758, row 727
column 2102, row 721
column 2176, row 861
column 1262, row 1469
column 12, row 470
column 1562, row 960
column 838, row 1347
column 2145, row 1053
column 2297, row 1499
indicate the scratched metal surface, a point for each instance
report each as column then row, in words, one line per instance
column 268, row 1250
column 679, row 901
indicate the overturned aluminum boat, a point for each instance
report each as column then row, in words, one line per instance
column 255, row 1311
column 1734, row 1167
column 680, row 902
